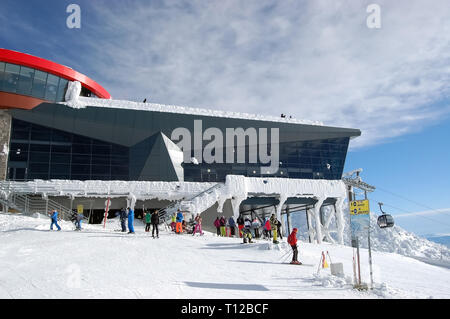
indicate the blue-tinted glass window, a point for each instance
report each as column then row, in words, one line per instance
column 39, row 82
column 25, row 80
column 2, row 74
column 60, row 95
column 52, row 87
column 11, row 79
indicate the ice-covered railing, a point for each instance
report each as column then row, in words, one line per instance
column 140, row 189
column 83, row 102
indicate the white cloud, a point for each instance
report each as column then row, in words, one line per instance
column 427, row 212
column 311, row 59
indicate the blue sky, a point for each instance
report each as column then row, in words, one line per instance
column 315, row 60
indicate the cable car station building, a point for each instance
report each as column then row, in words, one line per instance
column 64, row 143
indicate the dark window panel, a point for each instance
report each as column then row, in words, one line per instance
column 11, row 77
column 60, row 169
column 81, row 159
column 104, row 150
column 2, row 74
column 119, row 170
column 60, row 136
column 115, row 160
column 39, row 157
column 25, row 81
column 40, row 148
column 100, row 170
column 39, row 168
column 51, row 87
column 60, row 158
column 21, row 147
column 100, row 160
column 81, row 148
column 39, row 82
column 40, row 133
column 81, row 169
column 16, row 156
column 20, row 135
column 61, row 149
column 62, row 87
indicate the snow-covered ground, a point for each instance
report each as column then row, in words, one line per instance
column 104, row 263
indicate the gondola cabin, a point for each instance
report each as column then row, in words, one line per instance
column 385, row 221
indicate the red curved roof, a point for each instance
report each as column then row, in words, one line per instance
column 34, row 62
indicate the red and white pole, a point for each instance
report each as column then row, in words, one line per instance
column 106, row 212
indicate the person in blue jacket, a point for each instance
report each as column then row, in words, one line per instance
column 179, row 227
column 54, row 217
column 130, row 220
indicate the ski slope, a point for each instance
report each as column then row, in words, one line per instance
column 104, row 263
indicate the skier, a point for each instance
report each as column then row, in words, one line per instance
column 179, row 227
column 123, row 217
column 255, row 225
column 279, row 229
column 240, row 222
column 198, row 225
column 273, row 226
column 78, row 220
column 223, row 225
column 148, row 217
column 173, row 222
column 130, row 220
column 155, row 223
column 247, row 231
column 292, row 240
column 232, row 225
column 267, row 228
column 217, row 225
column 54, row 217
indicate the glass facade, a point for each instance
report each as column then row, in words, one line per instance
column 38, row 152
column 316, row 159
column 54, row 141
column 27, row 81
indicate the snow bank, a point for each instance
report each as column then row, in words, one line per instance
column 399, row 241
column 104, row 263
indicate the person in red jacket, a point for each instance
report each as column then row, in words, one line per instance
column 292, row 240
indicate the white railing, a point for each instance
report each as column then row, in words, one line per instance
column 30, row 204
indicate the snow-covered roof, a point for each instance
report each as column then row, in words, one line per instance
column 83, row 102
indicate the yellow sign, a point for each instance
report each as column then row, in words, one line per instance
column 359, row 207
column 80, row 209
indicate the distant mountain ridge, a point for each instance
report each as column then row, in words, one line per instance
column 440, row 239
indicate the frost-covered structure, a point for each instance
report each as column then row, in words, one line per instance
column 199, row 197
column 79, row 148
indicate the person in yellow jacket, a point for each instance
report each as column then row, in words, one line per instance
column 273, row 225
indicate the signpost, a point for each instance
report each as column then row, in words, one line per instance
column 360, row 224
